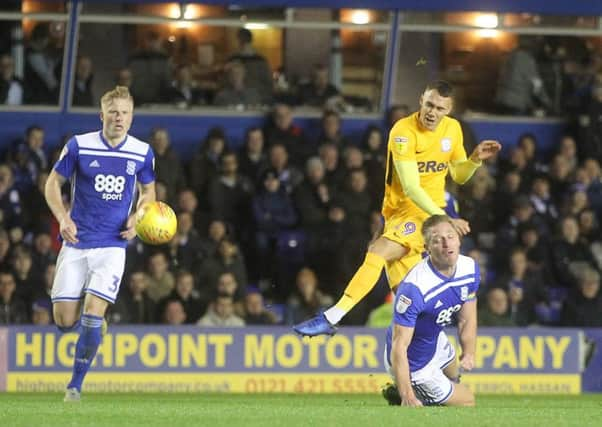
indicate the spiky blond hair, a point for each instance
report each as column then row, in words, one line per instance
column 120, row 92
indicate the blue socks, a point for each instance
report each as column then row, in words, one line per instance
column 85, row 350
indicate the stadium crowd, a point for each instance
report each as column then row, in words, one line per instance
column 270, row 233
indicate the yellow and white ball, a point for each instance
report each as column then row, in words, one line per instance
column 156, row 223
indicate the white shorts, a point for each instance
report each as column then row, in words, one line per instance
column 430, row 384
column 95, row 271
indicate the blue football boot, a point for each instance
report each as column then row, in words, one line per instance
column 315, row 326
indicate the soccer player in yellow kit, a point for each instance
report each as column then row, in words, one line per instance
column 422, row 148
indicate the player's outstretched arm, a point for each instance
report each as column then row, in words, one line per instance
column 462, row 170
column 467, row 331
column 402, row 336
column 52, row 193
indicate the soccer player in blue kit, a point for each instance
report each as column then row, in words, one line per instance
column 106, row 169
column 418, row 355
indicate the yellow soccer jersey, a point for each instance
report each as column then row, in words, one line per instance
column 431, row 150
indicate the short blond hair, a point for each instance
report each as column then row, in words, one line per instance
column 120, row 92
column 431, row 222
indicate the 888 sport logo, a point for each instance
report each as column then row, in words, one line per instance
column 110, row 186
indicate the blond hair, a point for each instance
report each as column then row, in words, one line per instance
column 431, row 222
column 120, row 92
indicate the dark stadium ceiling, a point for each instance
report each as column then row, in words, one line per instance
column 550, row 7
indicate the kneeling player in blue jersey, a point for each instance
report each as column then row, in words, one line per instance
column 106, row 169
column 418, row 355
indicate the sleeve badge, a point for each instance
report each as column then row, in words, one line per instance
column 403, row 303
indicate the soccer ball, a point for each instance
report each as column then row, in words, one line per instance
column 156, row 223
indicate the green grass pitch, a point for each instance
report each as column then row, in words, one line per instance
column 174, row 410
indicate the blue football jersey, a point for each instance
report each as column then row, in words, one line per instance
column 427, row 301
column 103, row 185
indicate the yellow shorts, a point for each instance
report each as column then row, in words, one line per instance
column 407, row 231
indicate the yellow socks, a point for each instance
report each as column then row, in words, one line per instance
column 363, row 281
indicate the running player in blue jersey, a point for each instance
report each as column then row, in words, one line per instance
column 106, row 169
column 435, row 292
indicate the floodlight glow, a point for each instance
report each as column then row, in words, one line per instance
column 360, row 17
column 487, row 20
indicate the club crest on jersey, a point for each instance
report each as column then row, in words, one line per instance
column 130, row 167
column 402, row 304
column 464, row 293
column 446, row 145
column 409, row 228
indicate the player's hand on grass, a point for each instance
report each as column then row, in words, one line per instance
column 485, row 150
column 68, row 230
column 467, row 362
column 461, row 226
column 410, row 400
column 130, row 231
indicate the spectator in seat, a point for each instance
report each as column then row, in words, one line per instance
column 29, row 159
column 160, row 280
column 495, row 310
column 396, row 112
column 82, row 86
column 252, row 159
column 27, row 279
column 230, row 194
column 11, row 88
column 182, row 91
column 273, row 212
column 255, row 311
column 227, row 259
column 134, row 305
column 567, row 248
column 307, row 298
column 236, row 93
column 331, row 130
column 313, row 196
column 221, row 314
column 355, row 199
column 188, row 295
column 318, row 92
column 524, row 286
column 520, row 89
column 10, row 200
column 583, row 305
column 204, row 166
column 334, row 173
column 185, row 247
column 41, row 83
column 281, row 129
column 288, row 174
column 12, row 308
column 257, row 70
column 174, row 313
column 168, row 167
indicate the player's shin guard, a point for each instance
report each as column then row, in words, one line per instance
column 362, row 282
column 85, row 350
